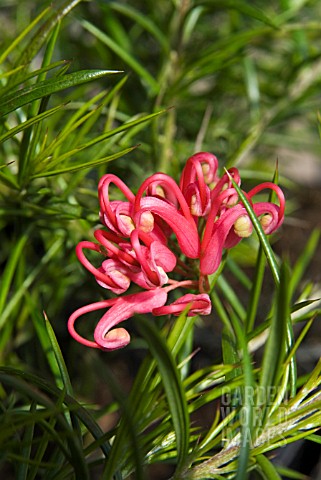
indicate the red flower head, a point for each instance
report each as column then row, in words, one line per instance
column 165, row 237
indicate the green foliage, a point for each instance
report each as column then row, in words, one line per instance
column 90, row 87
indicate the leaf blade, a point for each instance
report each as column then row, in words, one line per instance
column 47, row 87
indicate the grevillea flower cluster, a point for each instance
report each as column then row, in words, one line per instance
column 168, row 236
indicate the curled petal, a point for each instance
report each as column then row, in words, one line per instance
column 155, row 259
column 106, row 209
column 121, row 221
column 199, row 201
column 280, row 195
column 163, row 190
column 184, row 229
column 212, row 250
column 197, row 305
column 98, row 273
column 143, row 222
column 162, row 256
column 82, row 311
column 271, row 219
column 119, row 309
column 207, row 172
column 125, row 307
column 118, row 274
column 120, row 250
column 218, row 207
column 226, row 182
column 200, row 170
column 167, row 181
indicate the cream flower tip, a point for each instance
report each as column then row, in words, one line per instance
column 146, row 223
column 127, row 222
column 160, row 191
column 243, row 226
column 265, row 220
column 116, row 338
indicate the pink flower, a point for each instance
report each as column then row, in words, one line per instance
column 197, row 305
column 167, row 236
column 119, row 309
column 199, row 174
column 227, row 227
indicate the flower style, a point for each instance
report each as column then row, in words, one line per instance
column 167, row 236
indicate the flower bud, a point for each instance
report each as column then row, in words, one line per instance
column 127, row 224
column 160, row 191
column 243, row 226
column 265, row 220
column 146, row 222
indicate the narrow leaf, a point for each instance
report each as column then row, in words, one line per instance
column 247, row 412
column 19, row 38
column 28, row 123
column 125, row 56
column 305, row 258
column 22, row 467
column 268, row 469
column 8, row 90
column 274, row 352
column 260, row 233
column 47, row 87
column 241, row 6
column 10, row 268
column 81, row 166
column 172, row 385
column 103, row 137
column 39, row 38
column 59, row 358
column 143, row 20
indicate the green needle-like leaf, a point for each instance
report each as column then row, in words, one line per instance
column 248, row 403
column 267, row 468
column 47, row 87
column 259, row 230
column 274, row 353
column 59, row 358
column 22, row 35
column 22, row 470
column 172, row 385
column 10, row 269
column 126, row 57
column 81, row 166
column 242, row 6
column 28, row 123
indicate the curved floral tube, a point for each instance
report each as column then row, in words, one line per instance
column 201, row 165
column 98, row 273
column 226, row 182
column 199, row 304
column 92, row 307
column 211, row 255
column 119, row 309
column 120, row 222
column 280, row 195
column 194, row 182
column 114, row 249
column 155, row 259
column 117, row 273
column 219, row 205
column 184, row 229
column 166, row 180
column 106, row 209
